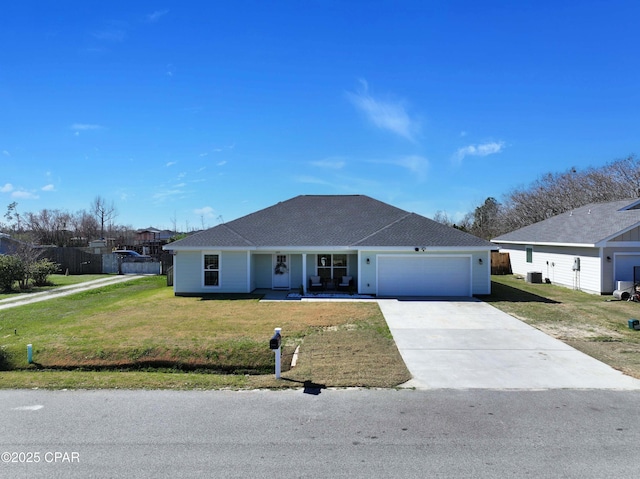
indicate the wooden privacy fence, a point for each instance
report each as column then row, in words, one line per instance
column 74, row 260
column 500, row 263
column 170, row 276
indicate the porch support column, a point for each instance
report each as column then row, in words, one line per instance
column 304, row 273
column 248, row 271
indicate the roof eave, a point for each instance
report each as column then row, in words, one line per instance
column 547, row 243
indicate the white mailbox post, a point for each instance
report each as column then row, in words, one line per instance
column 276, row 344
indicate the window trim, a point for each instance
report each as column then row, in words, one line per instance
column 528, row 254
column 332, row 267
column 204, row 269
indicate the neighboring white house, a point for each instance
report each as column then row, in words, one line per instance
column 590, row 248
column 366, row 245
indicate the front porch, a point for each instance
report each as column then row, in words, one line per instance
column 305, row 272
column 281, row 295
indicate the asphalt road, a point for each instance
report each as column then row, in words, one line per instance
column 337, row 433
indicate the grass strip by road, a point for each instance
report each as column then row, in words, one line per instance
column 139, row 335
column 594, row 324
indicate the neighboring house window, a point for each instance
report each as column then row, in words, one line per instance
column 211, row 270
column 529, row 251
column 332, row 266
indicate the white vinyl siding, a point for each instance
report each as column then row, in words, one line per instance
column 234, row 270
column 262, row 272
column 556, row 264
column 189, row 272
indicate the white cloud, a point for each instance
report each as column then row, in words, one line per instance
column 171, row 163
column 313, row 180
column 111, row 35
column 84, row 127
column 155, row 16
column 386, row 115
column 6, row 153
column 484, row 149
column 163, row 195
column 416, row 164
column 329, row 163
column 221, row 163
column 24, row 195
column 48, row 188
column 207, row 212
column 8, row 187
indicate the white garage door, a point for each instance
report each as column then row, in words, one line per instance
column 424, row 276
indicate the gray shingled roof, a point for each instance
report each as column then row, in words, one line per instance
column 330, row 221
column 588, row 225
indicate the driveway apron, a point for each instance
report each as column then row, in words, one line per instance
column 466, row 344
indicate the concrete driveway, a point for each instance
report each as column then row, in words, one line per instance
column 21, row 299
column 466, row 344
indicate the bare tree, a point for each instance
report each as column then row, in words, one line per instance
column 174, row 222
column 104, row 212
column 442, row 217
column 50, row 227
column 555, row 193
column 85, row 227
column 13, row 217
column 28, row 256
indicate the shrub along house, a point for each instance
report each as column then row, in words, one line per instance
column 363, row 244
column 590, row 248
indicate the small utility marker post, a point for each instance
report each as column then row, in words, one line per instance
column 29, row 353
column 275, row 344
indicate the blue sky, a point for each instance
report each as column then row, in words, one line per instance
column 202, row 111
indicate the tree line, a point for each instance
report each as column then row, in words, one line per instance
column 550, row 195
column 62, row 228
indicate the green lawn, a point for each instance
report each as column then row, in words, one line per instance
column 138, row 334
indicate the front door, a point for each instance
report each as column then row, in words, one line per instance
column 281, row 271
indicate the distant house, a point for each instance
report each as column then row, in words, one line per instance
column 151, row 240
column 7, row 244
column 590, row 248
column 363, row 244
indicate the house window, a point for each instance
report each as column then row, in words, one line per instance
column 529, row 251
column 332, row 266
column 211, row 270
